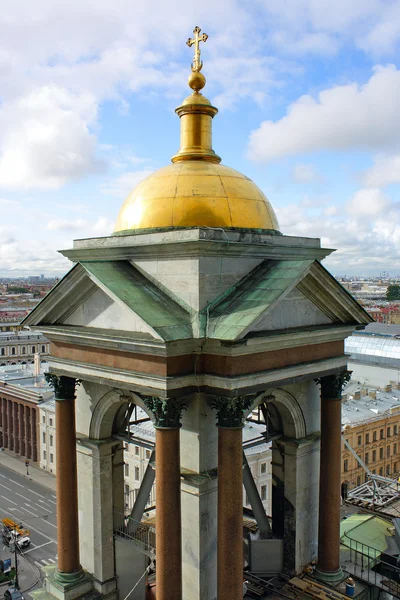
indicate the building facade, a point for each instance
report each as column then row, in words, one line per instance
column 371, row 425
column 19, row 348
column 47, row 435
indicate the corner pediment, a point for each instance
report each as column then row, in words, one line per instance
column 282, row 295
column 112, row 295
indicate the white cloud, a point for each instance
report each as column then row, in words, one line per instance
column 385, row 170
column 342, row 118
column 368, row 203
column 303, row 173
column 125, row 183
column 66, row 225
column 365, row 230
column 46, row 139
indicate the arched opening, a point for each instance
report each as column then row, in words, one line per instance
column 272, row 428
column 3, row 352
column 43, row 348
column 13, row 351
column 33, row 349
column 23, row 351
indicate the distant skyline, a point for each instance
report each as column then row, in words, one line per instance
column 307, row 91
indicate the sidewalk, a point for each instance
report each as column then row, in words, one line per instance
column 28, row 574
column 35, row 473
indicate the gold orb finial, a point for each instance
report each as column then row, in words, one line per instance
column 196, row 81
column 197, row 63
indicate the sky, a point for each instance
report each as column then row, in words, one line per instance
column 308, row 93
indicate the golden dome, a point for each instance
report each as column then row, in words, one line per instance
column 196, row 191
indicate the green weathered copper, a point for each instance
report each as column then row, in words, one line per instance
column 64, row 387
column 170, row 320
column 231, row 412
column 232, row 313
column 332, row 385
column 166, row 412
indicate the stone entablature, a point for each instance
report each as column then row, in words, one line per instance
column 20, row 348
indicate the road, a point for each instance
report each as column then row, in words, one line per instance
column 34, row 505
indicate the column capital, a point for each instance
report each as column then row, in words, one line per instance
column 64, row 387
column 332, row 385
column 166, row 412
column 231, row 411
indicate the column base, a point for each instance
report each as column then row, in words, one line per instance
column 329, row 577
column 66, row 586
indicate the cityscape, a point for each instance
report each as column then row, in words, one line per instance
column 200, row 300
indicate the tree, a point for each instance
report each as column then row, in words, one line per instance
column 393, row 292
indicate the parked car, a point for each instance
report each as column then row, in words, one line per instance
column 13, row 594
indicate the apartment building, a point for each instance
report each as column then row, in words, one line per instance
column 371, row 425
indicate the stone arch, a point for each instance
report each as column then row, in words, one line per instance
column 106, row 410
column 293, row 421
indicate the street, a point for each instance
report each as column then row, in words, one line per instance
column 33, row 505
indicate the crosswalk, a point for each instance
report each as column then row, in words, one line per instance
column 45, row 562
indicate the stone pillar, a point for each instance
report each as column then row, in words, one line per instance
column 10, row 424
column 95, row 492
column 166, row 416
column 328, row 568
column 69, row 573
column 199, row 444
column 1, row 423
column 16, row 427
column 5, row 422
column 22, row 429
column 34, row 434
column 231, row 412
column 28, row 452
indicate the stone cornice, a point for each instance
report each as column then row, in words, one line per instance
column 196, row 242
column 168, row 386
column 261, row 343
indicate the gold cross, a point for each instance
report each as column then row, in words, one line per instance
column 197, row 63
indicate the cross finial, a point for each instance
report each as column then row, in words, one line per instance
column 197, row 63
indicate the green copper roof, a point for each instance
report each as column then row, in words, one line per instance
column 159, row 311
column 229, row 317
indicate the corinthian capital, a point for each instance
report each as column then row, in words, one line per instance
column 231, row 411
column 166, row 412
column 332, row 385
column 64, row 387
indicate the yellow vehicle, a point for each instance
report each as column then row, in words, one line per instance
column 17, row 527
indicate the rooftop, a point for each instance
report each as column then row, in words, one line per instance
column 368, row 408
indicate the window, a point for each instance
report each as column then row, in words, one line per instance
column 44, row 454
column 13, row 351
column 366, row 458
column 359, row 440
column 33, row 349
column 44, row 437
column 381, row 434
column 388, row 431
column 126, row 470
column 137, row 476
column 51, row 422
column 43, row 419
column 373, row 471
column 395, row 448
column 395, row 430
column 51, row 440
column 374, row 436
column 387, row 469
column 388, row 451
column 345, row 465
column 395, row 467
column 148, row 453
column 136, row 450
column 43, row 348
column 3, row 351
column 263, row 492
column 373, row 455
column 359, row 480
column 380, row 470
column 380, row 452
column 23, row 351
column 263, row 468
column 51, row 458
column 367, row 438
